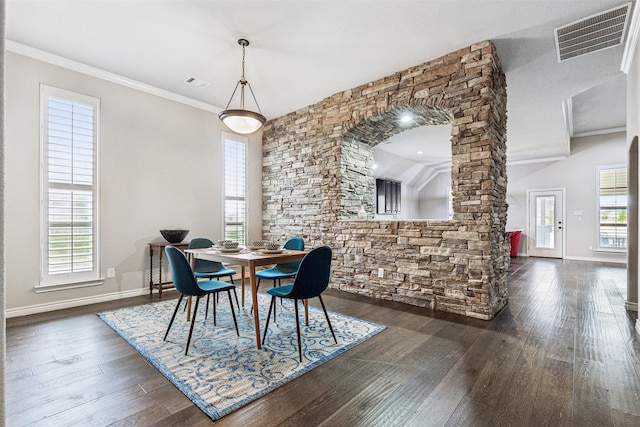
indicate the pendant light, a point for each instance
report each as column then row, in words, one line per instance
column 240, row 120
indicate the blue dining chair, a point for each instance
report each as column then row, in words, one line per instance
column 283, row 271
column 186, row 284
column 205, row 269
column 311, row 281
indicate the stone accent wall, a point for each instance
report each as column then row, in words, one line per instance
column 317, row 173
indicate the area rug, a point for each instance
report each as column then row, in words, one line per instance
column 223, row 371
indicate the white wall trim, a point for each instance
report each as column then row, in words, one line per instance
column 75, row 302
column 536, row 160
column 631, row 306
column 638, row 327
column 600, row 132
column 632, row 40
column 596, row 259
column 69, row 64
column 567, row 115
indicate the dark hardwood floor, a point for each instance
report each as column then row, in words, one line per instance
column 563, row 353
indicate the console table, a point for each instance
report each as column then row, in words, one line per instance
column 159, row 247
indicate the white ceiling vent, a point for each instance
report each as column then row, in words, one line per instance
column 194, row 81
column 594, row 33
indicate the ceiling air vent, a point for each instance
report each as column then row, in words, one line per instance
column 594, row 33
column 194, row 81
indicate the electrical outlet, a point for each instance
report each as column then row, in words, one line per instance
column 590, row 247
column 381, row 273
column 111, row 272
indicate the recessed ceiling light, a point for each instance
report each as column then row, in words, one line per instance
column 419, row 152
column 406, row 118
column 375, row 166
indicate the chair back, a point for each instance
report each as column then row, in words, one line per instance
column 313, row 275
column 295, row 244
column 203, row 265
column 183, row 278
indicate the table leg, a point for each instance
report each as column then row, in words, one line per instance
column 150, row 270
column 160, row 275
column 254, row 301
column 242, row 281
column 306, row 312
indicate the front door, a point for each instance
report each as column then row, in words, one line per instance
column 545, row 233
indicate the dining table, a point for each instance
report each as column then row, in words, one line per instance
column 247, row 259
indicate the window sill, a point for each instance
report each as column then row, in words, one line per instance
column 51, row 287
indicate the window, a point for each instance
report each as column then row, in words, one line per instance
column 612, row 208
column 235, row 185
column 69, row 181
column 388, row 196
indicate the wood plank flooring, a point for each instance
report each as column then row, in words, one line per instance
column 563, row 353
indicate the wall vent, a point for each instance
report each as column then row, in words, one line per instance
column 592, row 34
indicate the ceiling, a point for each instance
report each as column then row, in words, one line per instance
column 304, row 51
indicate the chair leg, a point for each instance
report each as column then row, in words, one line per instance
column 193, row 321
column 215, row 299
column 233, row 312
column 173, row 317
column 266, row 326
column 206, row 310
column 295, row 302
column 234, row 291
column 327, row 316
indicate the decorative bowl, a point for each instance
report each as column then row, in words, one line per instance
column 222, row 242
column 257, row 244
column 230, row 245
column 271, row 246
column 174, row 236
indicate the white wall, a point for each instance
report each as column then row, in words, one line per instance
column 434, row 197
column 577, row 175
column 159, row 166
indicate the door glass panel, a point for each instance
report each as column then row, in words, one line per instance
column 545, row 219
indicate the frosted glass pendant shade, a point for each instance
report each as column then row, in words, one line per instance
column 242, row 121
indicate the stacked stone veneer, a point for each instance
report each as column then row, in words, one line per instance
column 317, row 173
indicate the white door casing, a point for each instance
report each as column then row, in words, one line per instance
column 545, row 223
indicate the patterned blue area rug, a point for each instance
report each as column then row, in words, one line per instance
column 223, row 371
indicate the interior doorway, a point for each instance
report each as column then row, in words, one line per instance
column 545, row 224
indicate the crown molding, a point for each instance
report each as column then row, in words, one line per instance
column 632, row 40
column 536, row 160
column 600, row 132
column 79, row 67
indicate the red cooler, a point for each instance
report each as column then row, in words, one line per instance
column 515, row 242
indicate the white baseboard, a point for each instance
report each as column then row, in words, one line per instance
column 591, row 259
column 596, row 259
column 638, row 326
column 76, row 302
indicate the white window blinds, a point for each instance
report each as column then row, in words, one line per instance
column 612, row 207
column 69, row 172
column 235, row 184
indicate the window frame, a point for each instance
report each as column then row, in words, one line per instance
column 65, row 280
column 229, row 136
column 599, row 247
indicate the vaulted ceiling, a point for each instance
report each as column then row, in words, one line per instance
column 303, row 51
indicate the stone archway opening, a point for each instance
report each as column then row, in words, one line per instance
column 358, row 145
column 315, row 160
